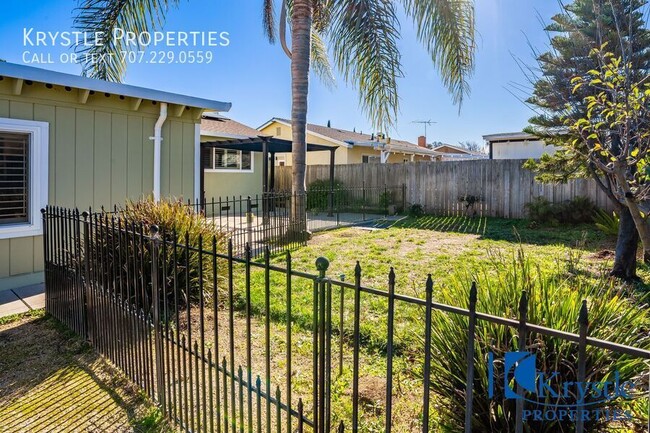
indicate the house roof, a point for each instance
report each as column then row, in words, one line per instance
column 509, row 136
column 215, row 125
column 29, row 73
column 448, row 148
column 347, row 138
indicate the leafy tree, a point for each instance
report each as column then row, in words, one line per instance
column 614, row 135
column 580, row 27
column 363, row 35
column 472, row 146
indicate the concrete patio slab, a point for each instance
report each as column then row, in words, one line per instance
column 33, row 296
column 10, row 304
column 22, row 300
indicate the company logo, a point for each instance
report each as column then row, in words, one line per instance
column 555, row 398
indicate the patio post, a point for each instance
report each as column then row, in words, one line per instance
column 272, row 176
column 331, row 194
column 265, row 179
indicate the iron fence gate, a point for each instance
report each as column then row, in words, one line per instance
column 231, row 344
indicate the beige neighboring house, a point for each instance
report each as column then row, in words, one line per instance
column 228, row 172
column 354, row 147
column 516, row 145
column 73, row 141
column 454, row 153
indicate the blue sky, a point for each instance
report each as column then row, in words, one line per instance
column 254, row 75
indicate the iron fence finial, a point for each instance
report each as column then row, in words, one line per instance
column 322, row 264
column 583, row 318
column 523, row 303
column 473, row 293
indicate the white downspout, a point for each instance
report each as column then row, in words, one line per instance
column 157, row 150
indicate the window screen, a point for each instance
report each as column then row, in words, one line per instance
column 14, row 177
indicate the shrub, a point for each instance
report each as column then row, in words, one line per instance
column 386, row 199
column 175, row 221
column 554, row 301
column 318, row 193
column 607, row 223
column 416, row 210
column 576, row 211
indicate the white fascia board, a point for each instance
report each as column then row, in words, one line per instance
column 30, row 73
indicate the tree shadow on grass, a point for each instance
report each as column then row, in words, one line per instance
column 51, row 380
column 510, row 230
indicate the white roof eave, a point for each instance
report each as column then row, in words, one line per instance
column 30, row 73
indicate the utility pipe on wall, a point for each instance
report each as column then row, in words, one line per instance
column 157, row 146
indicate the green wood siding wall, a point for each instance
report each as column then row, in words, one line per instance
column 100, row 154
column 224, row 184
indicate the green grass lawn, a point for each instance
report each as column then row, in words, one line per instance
column 50, row 380
column 447, row 248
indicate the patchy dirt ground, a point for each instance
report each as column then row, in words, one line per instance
column 50, row 381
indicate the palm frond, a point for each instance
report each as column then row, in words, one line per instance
column 268, row 20
column 101, row 17
column 364, row 35
column 320, row 62
column 321, row 14
column 446, row 28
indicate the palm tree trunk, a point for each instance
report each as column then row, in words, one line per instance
column 301, row 21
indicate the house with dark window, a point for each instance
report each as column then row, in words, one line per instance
column 73, row 141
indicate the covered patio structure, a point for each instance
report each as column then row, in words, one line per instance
column 269, row 147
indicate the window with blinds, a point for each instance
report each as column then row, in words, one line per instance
column 14, row 177
column 226, row 159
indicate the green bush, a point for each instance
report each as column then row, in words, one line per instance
column 416, row 210
column 555, row 299
column 576, row 211
column 173, row 218
column 318, row 193
column 607, row 223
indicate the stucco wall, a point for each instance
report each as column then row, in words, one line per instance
column 520, row 150
column 99, row 155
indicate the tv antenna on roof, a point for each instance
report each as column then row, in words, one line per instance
column 425, row 123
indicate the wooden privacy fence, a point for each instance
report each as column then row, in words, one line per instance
column 502, row 187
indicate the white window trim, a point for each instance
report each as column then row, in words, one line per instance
column 38, row 176
column 233, row 170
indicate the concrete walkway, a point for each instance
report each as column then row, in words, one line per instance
column 22, row 300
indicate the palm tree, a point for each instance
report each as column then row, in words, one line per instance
column 362, row 34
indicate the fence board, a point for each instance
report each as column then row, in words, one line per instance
column 504, row 186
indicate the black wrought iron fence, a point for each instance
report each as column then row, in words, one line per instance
column 266, row 220
column 231, row 344
column 260, row 221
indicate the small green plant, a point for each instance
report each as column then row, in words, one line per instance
column 386, row 199
column 575, row 211
column 416, row 210
column 176, row 222
column 318, row 194
column 607, row 223
column 554, row 300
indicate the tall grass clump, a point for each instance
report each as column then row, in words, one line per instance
column 555, row 298
column 178, row 270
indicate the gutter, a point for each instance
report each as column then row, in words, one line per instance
column 157, row 150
